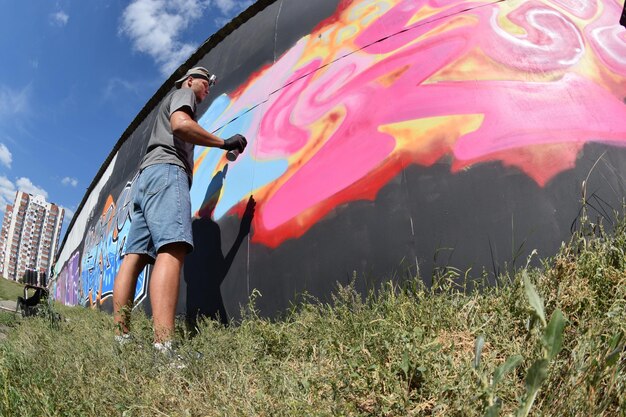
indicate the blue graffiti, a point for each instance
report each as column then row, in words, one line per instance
column 103, row 249
column 237, row 184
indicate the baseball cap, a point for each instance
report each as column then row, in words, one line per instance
column 197, row 72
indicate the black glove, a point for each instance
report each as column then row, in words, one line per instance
column 235, row 142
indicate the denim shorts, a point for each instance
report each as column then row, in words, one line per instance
column 161, row 210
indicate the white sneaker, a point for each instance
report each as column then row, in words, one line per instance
column 166, row 348
column 122, row 339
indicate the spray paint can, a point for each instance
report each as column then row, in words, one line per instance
column 232, row 155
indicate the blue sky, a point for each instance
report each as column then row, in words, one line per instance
column 75, row 73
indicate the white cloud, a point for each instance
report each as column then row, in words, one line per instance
column 115, row 85
column 5, row 155
column 25, row 184
column 7, row 192
column 59, row 18
column 155, row 27
column 14, row 102
column 230, row 8
column 225, row 6
column 8, row 189
column 69, row 181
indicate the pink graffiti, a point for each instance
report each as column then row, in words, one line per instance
column 287, row 137
column 526, row 75
column 585, row 9
column 68, row 282
column 551, row 41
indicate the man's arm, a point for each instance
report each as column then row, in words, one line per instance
column 187, row 129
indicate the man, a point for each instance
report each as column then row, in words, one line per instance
column 160, row 231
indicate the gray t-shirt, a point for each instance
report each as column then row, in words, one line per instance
column 163, row 146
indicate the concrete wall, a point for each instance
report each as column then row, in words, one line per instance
column 386, row 139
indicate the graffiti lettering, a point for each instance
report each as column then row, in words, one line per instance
column 88, row 279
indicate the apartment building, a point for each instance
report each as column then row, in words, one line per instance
column 29, row 236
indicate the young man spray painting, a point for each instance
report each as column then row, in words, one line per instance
column 160, row 230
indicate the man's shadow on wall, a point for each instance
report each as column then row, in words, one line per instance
column 206, row 267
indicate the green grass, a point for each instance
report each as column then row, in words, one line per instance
column 10, row 290
column 7, row 319
column 545, row 341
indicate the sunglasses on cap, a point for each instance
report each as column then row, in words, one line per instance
column 212, row 79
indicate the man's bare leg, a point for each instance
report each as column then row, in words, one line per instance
column 124, row 289
column 164, row 282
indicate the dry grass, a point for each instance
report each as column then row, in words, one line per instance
column 396, row 352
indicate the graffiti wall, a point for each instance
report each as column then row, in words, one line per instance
column 386, row 139
column 87, row 277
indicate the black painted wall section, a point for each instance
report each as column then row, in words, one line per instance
column 488, row 217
